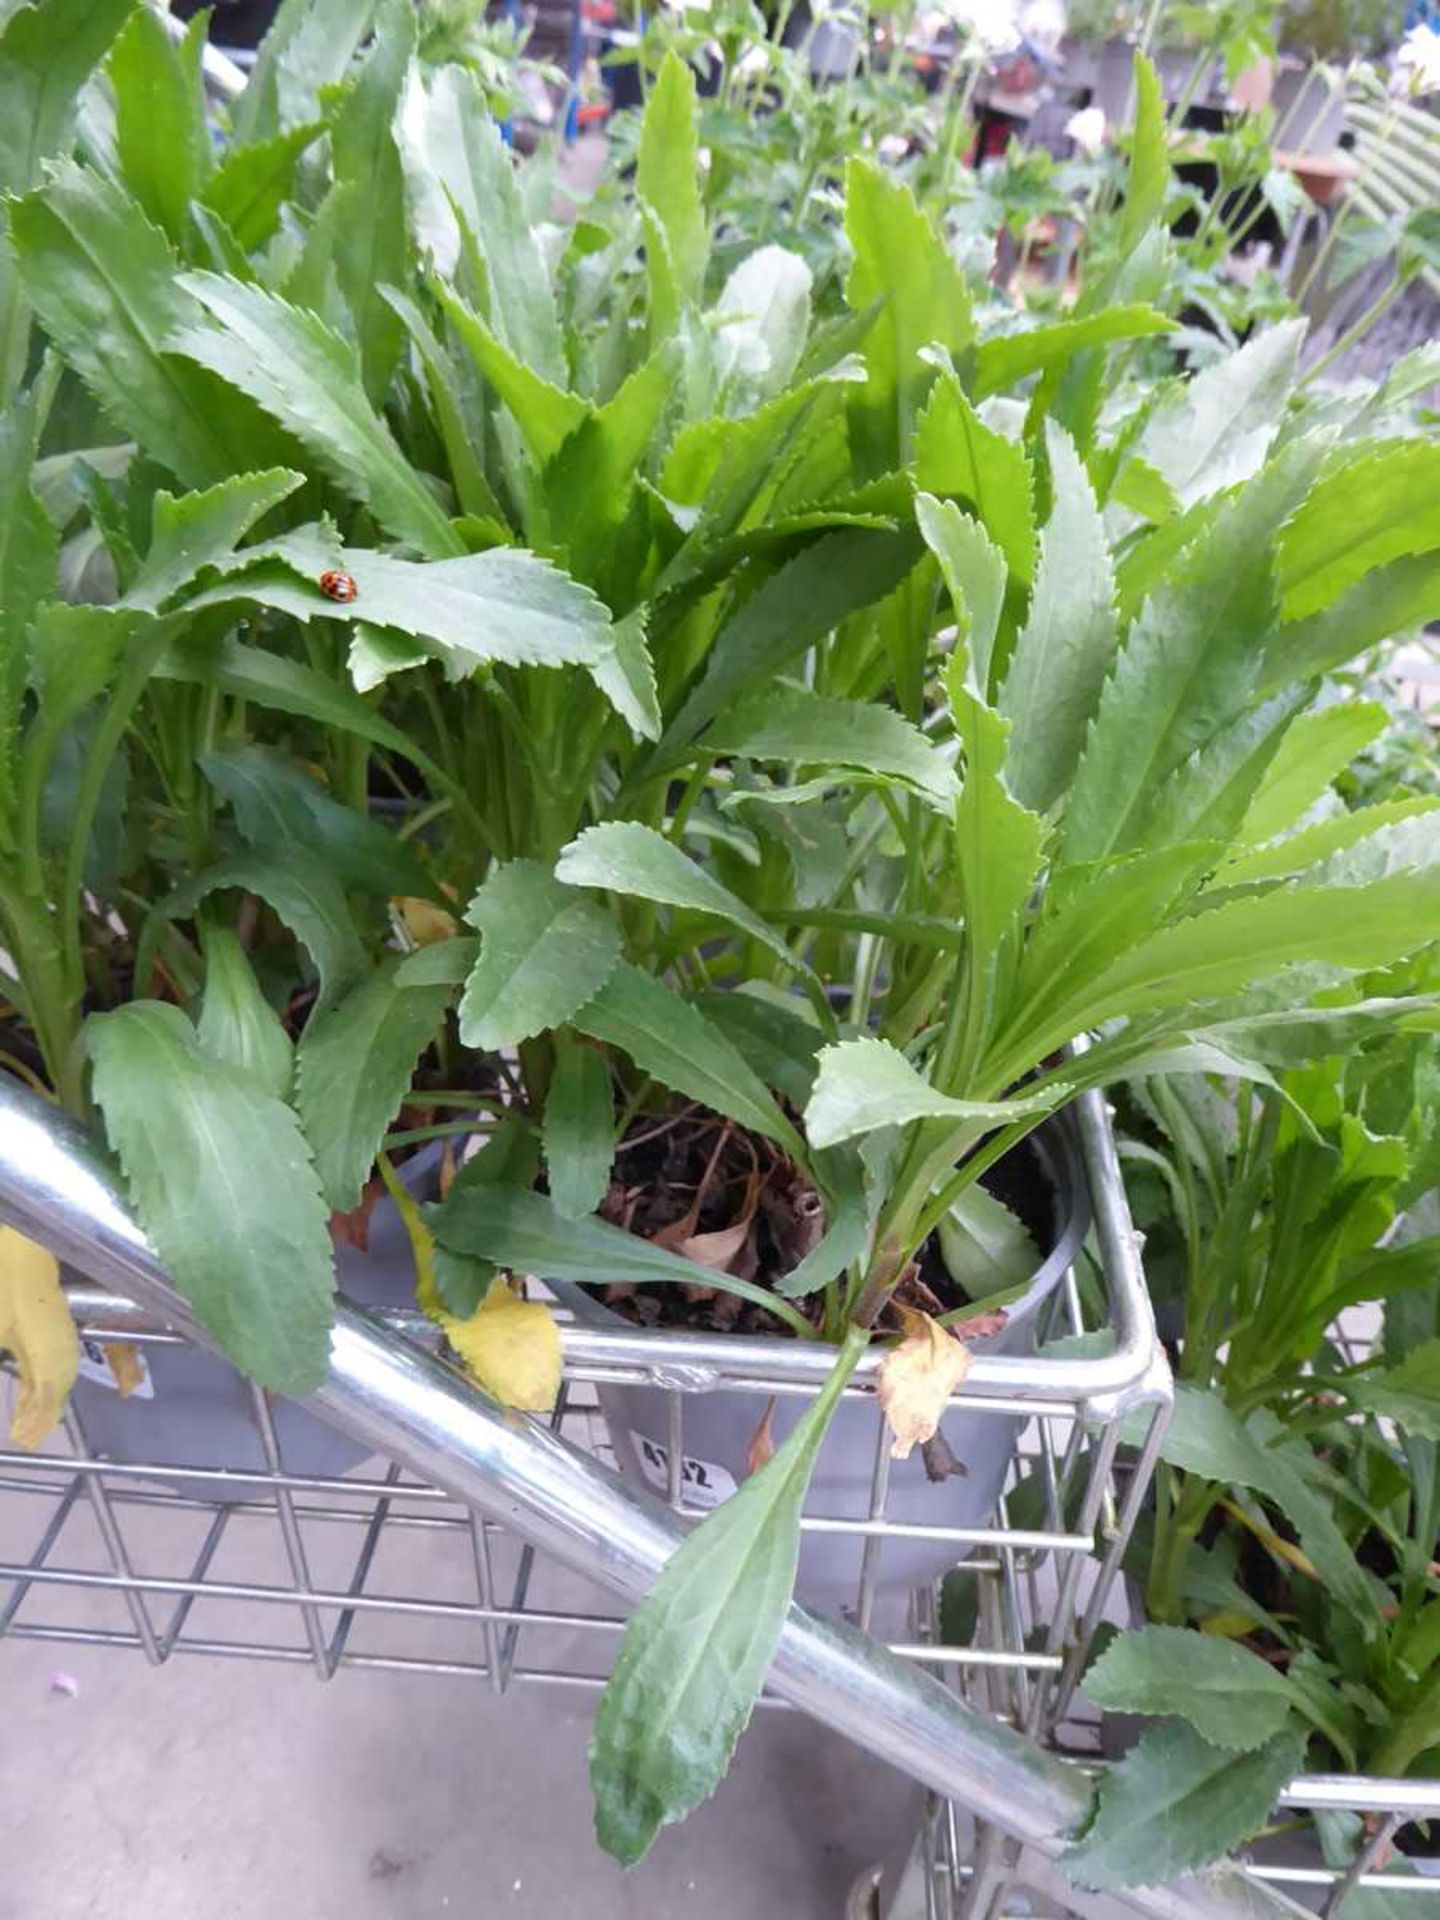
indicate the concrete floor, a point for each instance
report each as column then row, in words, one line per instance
column 220, row 1789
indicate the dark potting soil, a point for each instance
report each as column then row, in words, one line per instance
column 701, row 1187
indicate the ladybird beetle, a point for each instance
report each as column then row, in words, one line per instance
column 336, row 585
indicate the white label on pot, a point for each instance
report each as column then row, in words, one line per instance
column 94, row 1366
column 702, row 1482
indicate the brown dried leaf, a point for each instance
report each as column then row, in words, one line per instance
column 762, row 1441
column 715, row 1250
column 982, row 1326
column 917, row 1378
column 125, row 1366
column 940, row 1462
column 352, row 1229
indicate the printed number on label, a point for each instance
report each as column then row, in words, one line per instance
column 702, row 1482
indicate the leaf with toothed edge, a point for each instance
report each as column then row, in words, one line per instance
column 199, row 1142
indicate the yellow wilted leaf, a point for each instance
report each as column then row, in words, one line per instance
column 512, row 1346
column 424, row 921
column 422, row 1241
column 917, row 1378
column 35, row 1326
column 126, row 1370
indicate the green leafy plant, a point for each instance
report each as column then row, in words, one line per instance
column 1295, row 1519
column 534, row 682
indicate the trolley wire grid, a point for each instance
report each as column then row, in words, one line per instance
column 385, row 1568
column 283, row 1566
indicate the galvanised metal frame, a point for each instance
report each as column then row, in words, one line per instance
column 503, row 1477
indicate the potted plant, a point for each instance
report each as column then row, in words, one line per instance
column 707, row 652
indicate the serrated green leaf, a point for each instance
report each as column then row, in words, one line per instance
column 1231, row 946
column 1006, row 358
column 1378, row 508
column 307, row 377
column 1230, row 1696
column 1091, row 918
column 1156, row 551
column 278, row 805
column 1312, row 845
column 800, row 728
column 957, row 454
column 1175, row 1803
column 743, row 474
column 505, row 604
column 579, row 1129
column 353, row 1069
column 201, row 530
column 698, row 1647
column 591, row 484
column 1390, row 600
column 75, row 654
column 667, row 182
column 998, row 848
column 161, row 135
column 1316, row 747
column 545, row 412
column 778, row 1036
column 626, row 677
column 1149, row 171
column 1205, row 798
column 250, row 184
column 47, row 53
column 308, row 48
column 974, row 575
column 863, row 1085
column 1217, row 428
column 1188, row 667
column 1067, row 645
column 374, row 252
column 797, row 606
column 224, row 1187
column 106, row 286
column 900, row 263
column 472, row 489
column 237, row 1024
column 544, row 951
column 307, row 897
column 470, row 177
column 624, row 856
column 675, row 1044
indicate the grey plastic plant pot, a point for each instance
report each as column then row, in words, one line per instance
column 195, row 1410
column 718, row 1427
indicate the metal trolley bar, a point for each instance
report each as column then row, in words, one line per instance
column 404, row 1402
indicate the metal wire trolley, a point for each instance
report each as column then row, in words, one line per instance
column 320, row 1571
